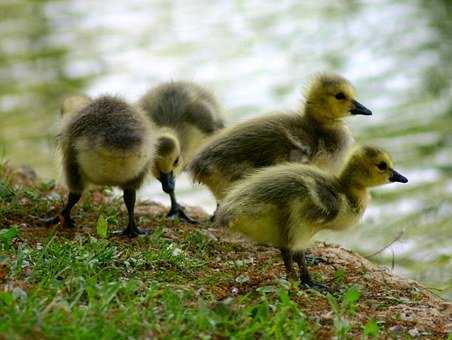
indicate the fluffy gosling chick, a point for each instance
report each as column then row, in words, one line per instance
column 105, row 142
column 315, row 135
column 187, row 114
column 285, row 205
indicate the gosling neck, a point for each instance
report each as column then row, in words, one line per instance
column 356, row 193
column 312, row 116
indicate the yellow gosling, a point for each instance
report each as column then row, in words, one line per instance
column 286, row 205
column 316, row 134
column 187, row 114
column 104, row 141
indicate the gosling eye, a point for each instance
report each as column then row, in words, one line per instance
column 382, row 165
column 340, row 96
column 176, row 161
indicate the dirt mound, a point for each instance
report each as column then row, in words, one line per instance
column 365, row 298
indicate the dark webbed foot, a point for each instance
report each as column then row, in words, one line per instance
column 67, row 222
column 131, row 232
column 64, row 218
column 177, row 211
column 64, row 221
column 134, row 232
column 51, row 221
column 305, row 277
column 309, row 283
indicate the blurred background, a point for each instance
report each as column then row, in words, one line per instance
column 256, row 56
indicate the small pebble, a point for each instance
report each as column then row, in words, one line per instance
column 242, row 279
column 413, row 332
column 176, row 252
column 395, row 329
column 19, row 293
column 54, row 196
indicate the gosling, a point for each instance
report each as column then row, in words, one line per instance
column 187, row 114
column 104, row 141
column 285, row 205
column 314, row 135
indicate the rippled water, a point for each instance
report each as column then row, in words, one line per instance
column 257, row 57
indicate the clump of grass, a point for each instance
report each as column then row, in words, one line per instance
column 346, row 307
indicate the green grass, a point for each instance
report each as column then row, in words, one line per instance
column 181, row 281
column 87, row 286
column 80, row 285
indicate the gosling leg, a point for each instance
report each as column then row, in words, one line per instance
column 305, row 277
column 287, row 257
column 64, row 217
column 132, row 230
column 177, row 210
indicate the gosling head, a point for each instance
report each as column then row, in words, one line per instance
column 73, row 104
column 370, row 166
column 332, row 97
column 167, row 161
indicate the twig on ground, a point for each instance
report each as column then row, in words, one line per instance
column 397, row 238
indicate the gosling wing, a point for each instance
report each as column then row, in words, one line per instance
column 254, row 144
column 312, row 194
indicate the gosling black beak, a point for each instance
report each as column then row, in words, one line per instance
column 360, row 109
column 397, row 177
column 167, row 180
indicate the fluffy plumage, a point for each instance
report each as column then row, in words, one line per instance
column 188, row 109
column 104, row 141
column 285, row 205
column 314, row 135
column 186, row 114
column 107, row 142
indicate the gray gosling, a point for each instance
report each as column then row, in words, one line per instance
column 314, row 135
column 187, row 114
column 104, row 141
column 285, row 205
